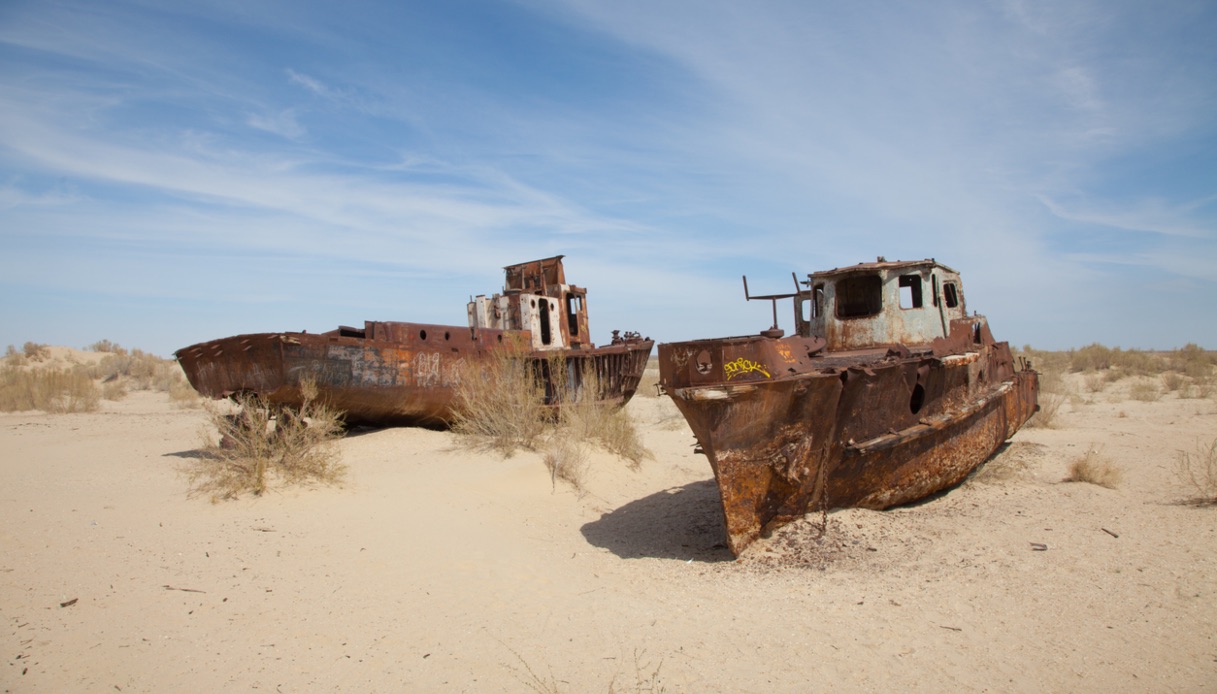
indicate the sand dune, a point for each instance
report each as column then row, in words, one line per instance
column 435, row 568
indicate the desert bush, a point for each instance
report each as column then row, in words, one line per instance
column 106, row 346
column 1050, row 405
column 1092, row 357
column 36, row 352
column 500, row 402
column 259, row 445
column 1137, row 362
column 1145, row 391
column 1192, row 361
column 50, row 390
column 1197, row 472
column 1093, row 468
column 12, row 357
column 1095, row 382
column 584, row 416
column 566, row 459
column 138, row 369
column 183, row 395
column 1173, row 381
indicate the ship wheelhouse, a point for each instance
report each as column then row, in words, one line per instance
column 880, row 303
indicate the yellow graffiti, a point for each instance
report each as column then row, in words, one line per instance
column 742, row 366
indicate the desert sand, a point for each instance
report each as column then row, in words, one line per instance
column 438, row 568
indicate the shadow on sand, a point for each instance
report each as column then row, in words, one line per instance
column 679, row 523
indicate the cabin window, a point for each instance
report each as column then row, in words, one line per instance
column 951, row 294
column 910, row 291
column 574, row 305
column 859, row 296
column 543, row 317
column 813, row 306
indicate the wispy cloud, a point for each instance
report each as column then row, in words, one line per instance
column 668, row 148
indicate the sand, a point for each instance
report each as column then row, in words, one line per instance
column 438, row 568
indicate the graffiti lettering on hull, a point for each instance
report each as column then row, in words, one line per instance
column 431, row 371
column 743, row 366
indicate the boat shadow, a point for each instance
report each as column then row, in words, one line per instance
column 683, row 523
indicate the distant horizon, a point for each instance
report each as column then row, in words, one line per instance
column 171, row 174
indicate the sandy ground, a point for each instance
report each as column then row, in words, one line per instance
column 439, row 569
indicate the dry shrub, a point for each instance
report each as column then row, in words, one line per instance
column 1093, row 468
column 36, row 352
column 1192, row 361
column 1046, row 416
column 293, row 446
column 106, row 346
column 1145, row 391
column 501, row 402
column 50, row 390
column 138, row 370
column 501, row 405
column 1197, row 472
column 183, row 395
column 1095, row 382
column 1094, row 357
column 584, row 416
column 14, row 358
column 566, row 460
column 1173, row 381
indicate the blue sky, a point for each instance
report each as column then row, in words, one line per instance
column 177, row 172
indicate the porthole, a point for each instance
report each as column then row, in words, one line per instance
column 422, row 334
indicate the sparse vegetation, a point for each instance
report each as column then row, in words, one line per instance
column 1050, row 405
column 502, row 406
column 1145, row 391
column 1093, row 468
column 37, row 378
column 259, row 445
column 1197, row 472
column 566, row 460
column 50, row 390
column 646, row 679
column 36, row 352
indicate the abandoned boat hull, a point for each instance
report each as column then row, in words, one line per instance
column 873, row 406
column 851, row 438
column 409, row 380
column 390, row 372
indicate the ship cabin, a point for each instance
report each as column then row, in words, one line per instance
column 537, row 298
column 880, row 303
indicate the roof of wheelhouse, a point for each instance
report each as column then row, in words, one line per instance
column 882, row 264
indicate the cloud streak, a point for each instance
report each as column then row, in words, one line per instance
column 1044, row 149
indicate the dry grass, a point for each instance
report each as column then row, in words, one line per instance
column 502, row 406
column 1145, row 391
column 1050, row 406
column 501, row 403
column 646, row 679
column 566, row 460
column 1093, row 468
column 258, row 446
column 35, row 379
column 50, row 390
column 1197, row 473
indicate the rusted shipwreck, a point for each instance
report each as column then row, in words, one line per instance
column 390, row 373
column 887, row 392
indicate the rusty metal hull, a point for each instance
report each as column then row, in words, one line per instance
column 789, row 428
column 388, row 373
